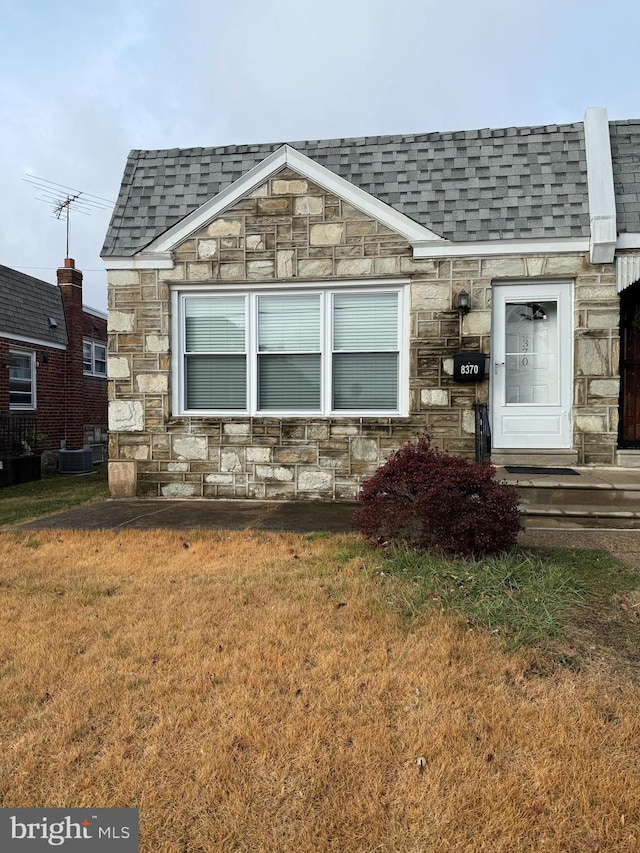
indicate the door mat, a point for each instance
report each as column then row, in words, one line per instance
column 532, row 469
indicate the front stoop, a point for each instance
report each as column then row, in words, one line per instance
column 602, row 498
column 536, row 458
column 628, row 458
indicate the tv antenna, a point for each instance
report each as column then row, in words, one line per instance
column 62, row 198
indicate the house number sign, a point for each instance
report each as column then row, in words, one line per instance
column 469, row 366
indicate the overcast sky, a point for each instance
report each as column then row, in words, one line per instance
column 82, row 82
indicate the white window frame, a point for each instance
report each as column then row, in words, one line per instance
column 17, row 407
column 93, row 371
column 181, row 292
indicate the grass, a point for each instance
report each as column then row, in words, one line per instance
column 257, row 692
column 524, row 597
column 53, row 494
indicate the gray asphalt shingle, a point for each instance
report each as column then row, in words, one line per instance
column 26, row 303
column 625, row 152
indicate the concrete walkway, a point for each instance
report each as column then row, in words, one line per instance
column 623, row 544
column 149, row 514
column 296, row 517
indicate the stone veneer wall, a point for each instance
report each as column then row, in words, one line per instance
column 289, row 230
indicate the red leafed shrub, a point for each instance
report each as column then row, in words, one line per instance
column 430, row 499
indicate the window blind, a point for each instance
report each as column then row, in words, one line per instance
column 289, row 382
column 365, row 322
column 365, row 381
column 216, row 382
column 365, row 358
column 289, row 323
column 215, row 324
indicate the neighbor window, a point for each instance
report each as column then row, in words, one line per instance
column 94, row 358
column 290, row 353
column 22, row 379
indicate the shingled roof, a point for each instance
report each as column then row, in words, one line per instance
column 625, row 153
column 524, row 182
column 26, row 303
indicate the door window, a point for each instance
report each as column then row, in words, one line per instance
column 531, row 353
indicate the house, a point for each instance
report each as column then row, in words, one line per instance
column 284, row 316
column 53, row 352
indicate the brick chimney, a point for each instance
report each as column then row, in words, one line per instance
column 70, row 284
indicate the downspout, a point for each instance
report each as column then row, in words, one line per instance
column 602, row 200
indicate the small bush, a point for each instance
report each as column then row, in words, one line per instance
column 432, row 500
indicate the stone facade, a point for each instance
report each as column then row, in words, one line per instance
column 289, row 231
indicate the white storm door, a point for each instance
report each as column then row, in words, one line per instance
column 532, row 366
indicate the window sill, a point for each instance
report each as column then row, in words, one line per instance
column 298, row 416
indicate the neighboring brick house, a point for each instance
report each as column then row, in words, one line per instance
column 53, row 360
column 282, row 317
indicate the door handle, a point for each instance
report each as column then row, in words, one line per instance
column 496, row 365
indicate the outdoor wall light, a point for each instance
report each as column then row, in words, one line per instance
column 463, row 303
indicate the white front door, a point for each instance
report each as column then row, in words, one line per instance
column 531, row 365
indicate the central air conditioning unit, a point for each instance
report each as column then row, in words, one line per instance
column 75, row 461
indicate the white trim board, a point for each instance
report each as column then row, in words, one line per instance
column 289, row 285
column 39, row 342
column 94, row 312
column 422, row 250
column 628, row 241
column 141, row 261
column 491, row 248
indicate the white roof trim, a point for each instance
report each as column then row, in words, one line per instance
column 94, row 312
column 628, row 241
column 602, row 200
column 482, row 248
column 141, row 261
column 325, row 178
column 25, row 339
column 627, row 271
column 422, row 249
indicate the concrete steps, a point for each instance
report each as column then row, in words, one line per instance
column 595, row 498
column 600, row 518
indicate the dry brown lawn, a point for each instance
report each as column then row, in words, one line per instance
column 254, row 693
